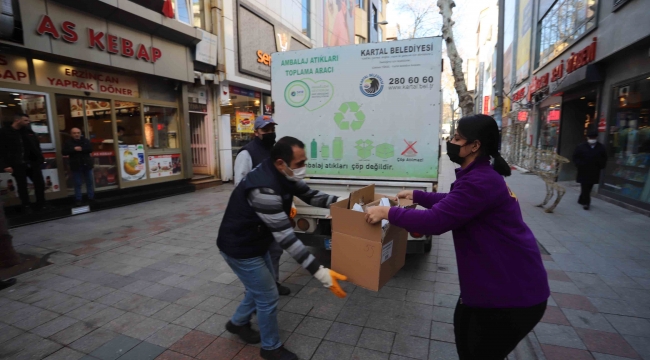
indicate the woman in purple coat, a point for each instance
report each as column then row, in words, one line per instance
column 503, row 283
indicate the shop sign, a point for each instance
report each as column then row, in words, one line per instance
column 519, row 94
column 76, row 78
column 206, row 49
column 486, row 105
column 14, row 69
column 602, row 125
column 522, row 116
column 553, row 115
column 573, row 63
column 263, row 58
column 244, row 92
column 98, row 40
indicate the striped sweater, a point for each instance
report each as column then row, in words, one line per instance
column 268, row 207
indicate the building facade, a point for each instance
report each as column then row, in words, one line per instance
column 588, row 66
column 117, row 70
column 252, row 30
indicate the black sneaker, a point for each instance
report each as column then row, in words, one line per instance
column 283, row 290
column 278, row 354
column 586, row 207
column 245, row 332
column 77, row 203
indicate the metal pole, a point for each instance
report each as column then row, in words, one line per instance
column 499, row 89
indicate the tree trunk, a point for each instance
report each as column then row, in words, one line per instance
column 465, row 100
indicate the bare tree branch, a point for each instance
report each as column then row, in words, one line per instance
column 465, row 100
column 423, row 20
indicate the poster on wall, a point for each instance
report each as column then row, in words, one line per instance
column 245, row 122
column 523, row 44
column 345, row 108
column 164, row 165
column 9, row 187
column 132, row 160
column 338, row 24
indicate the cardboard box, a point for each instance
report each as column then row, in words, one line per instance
column 361, row 251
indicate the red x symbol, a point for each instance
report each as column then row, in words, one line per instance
column 410, row 146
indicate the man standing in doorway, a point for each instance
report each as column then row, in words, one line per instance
column 78, row 150
column 590, row 159
column 251, row 155
column 21, row 156
column 257, row 216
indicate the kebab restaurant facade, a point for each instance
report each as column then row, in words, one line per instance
column 124, row 88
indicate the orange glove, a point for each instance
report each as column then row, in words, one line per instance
column 330, row 279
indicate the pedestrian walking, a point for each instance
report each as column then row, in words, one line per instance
column 248, row 157
column 8, row 255
column 590, row 158
column 258, row 215
column 78, row 150
column 503, row 283
column 21, row 156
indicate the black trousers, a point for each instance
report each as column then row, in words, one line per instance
column 34, row 173
column 585, row 194
column 492, row 334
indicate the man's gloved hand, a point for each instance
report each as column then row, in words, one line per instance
column 330, row 279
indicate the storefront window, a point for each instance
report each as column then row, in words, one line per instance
column 629, row 139
column 563, row 24
column 244, row 106
column 129, row 123
column 34, row 106
column 550, row 128
column 161, row 127
column 93, row 118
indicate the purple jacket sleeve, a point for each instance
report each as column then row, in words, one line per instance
column 427, row 199
column 457, row 208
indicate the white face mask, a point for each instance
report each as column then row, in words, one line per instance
column 592, row 141
column 298, row 174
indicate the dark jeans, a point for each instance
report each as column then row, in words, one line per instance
column 34, row 173
column 81, row 174
column 585, row 194
column 492, row 334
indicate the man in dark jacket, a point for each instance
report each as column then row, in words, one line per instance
column 258, row 215
column 21, row 156
column 78, row 150
column 590, row 159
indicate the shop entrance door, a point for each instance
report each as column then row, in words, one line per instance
column 94, row 119
column 199, row 143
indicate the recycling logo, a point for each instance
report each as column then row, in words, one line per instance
column 349, row 116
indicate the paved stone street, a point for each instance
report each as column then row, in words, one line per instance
column 147, row 282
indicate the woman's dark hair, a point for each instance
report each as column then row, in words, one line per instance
column 283, row 149
column 484, row 129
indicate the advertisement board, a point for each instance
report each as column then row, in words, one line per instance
column 132, row 162
column 338, row 24
column 245, row 122
column 363, row 111
column 164, row 165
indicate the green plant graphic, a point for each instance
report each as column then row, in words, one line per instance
column 364, row 148
column 347, row 111
column 385, row 151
